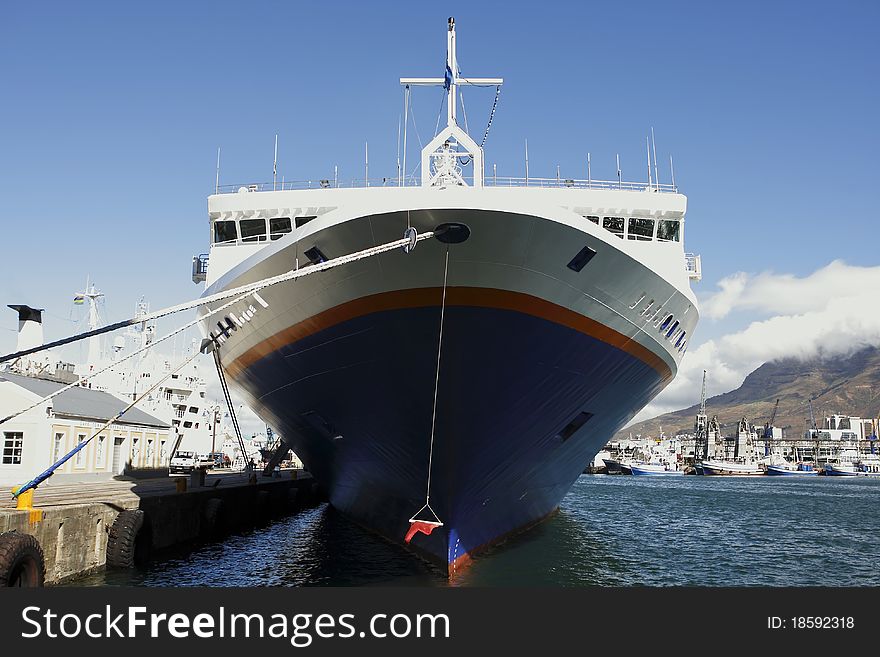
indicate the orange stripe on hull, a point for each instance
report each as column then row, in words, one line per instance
column 455, row 296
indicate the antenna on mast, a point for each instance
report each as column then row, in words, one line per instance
column 589, row 173
column 619, row 178
column 217, row 179
column 275, row 165
column 672, row 171
column 656, row 175
column 527, row 162
column 648, row 149
column 366, row 164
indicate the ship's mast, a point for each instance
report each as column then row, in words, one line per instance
column 440, row 157
column 92, row 295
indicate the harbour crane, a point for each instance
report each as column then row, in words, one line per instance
column 701, row 437
column 768, row 428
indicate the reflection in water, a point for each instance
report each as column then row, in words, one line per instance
column 610, row 531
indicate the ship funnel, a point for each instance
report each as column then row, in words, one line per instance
column 30, row 327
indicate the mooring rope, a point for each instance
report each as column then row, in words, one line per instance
column 222, row 296
column 231, row 407
column 116, row 363
column 240, row 293
column 40, row 478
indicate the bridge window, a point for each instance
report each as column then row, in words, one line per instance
column 680, row 340
column 225, row 231
column 666, row 323
column 614, row 225
column 672, row 330
column 589, row 217
column 253, row 230
column 668, row 230
column 640, row 229
column 279, row 227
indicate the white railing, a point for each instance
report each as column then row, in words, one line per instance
column 412, row 181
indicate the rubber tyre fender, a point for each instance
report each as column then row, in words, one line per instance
column 21, row 561
column 130, row 540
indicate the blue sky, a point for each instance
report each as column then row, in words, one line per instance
column 111, row 115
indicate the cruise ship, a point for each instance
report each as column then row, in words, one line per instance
column 448, row 395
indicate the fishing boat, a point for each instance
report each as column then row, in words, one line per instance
column 448, row 393
column 655, row 468
column 788, row 468
column 737, row 467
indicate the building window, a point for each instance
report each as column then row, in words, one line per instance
column 193, row 409
column 80, row 457
column 163, row 450
column 58, row 447
column 187, row 425
column 99, row 453
column 149, row 451
column 135, row 450
column 12, row 441
column 279, row 227
column 253, row 230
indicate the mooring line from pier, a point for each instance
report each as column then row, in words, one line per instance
column 222, row 296
column 240, row 293
column 40, row 478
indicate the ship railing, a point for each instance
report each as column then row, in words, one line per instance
column 413, row 181
column 694, row 266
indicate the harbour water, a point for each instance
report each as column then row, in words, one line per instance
column 610, row 531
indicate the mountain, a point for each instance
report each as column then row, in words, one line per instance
column 849, row 385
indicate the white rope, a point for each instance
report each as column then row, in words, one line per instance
column 222, row 296
column 436, row 387
column 239, row 293
column 116, row 363
column 36, row 481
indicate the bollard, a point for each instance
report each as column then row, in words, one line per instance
column 25, row 501
column 181, row 484
column 197, row 477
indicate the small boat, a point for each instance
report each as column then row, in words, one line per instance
column 713, row 467
column 865, row 467
column 660, row 469
column 781, row 466
column 617, row 466
column 790, row 468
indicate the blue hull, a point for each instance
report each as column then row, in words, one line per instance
column 354, row 401
column 773, row 470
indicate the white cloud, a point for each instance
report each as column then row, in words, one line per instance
column 830, row 312
column 786, row 294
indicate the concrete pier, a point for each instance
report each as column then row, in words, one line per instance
column 72, row 520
